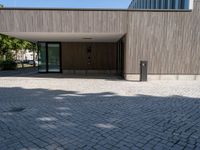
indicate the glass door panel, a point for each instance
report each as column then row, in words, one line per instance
column 42, row 65
column 53, row 52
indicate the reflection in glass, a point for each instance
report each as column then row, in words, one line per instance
column 42, row 57
column 53, row 57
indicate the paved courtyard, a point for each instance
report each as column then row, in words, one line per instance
column 56, row 113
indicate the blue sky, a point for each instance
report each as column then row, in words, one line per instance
column 67, row 3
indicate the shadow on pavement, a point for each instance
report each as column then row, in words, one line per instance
column 70, row 119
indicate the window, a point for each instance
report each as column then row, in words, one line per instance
column 162, row 4
column 49, row 57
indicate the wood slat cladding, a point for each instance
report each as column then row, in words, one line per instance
column 169, row 41
column 75, row 56
column 68, row 21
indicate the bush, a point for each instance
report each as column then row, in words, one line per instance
column 0, row 64
column 8, row 65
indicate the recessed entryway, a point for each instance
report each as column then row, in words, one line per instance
column 93, row 56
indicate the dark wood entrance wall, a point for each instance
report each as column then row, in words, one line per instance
column 89, row 56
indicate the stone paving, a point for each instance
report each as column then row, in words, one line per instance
column 54, row 113
column 19, row 72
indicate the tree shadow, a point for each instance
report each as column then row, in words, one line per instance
column 67, row 119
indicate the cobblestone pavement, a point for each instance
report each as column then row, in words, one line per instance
column 19, row 72
column 40, row 113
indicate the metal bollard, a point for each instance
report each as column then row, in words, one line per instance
column 143, row 70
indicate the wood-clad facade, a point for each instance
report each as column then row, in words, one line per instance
column 68, row 21
column 168, row 39
column 89, row 56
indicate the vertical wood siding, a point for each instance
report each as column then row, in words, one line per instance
column 63, row 21
column 169, row 41
column 75, row 56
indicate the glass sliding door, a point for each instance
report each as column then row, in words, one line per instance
column 49, row 57
column 53, row 57
column 42, row 64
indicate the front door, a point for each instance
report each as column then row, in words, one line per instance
column 49, row 57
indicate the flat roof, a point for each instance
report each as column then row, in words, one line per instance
column 95, row 9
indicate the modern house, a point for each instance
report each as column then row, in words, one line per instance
column 165, row 33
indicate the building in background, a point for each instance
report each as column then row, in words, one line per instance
column 161, row 4
column 24, row 55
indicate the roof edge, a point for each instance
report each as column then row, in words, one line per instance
column 95, row 9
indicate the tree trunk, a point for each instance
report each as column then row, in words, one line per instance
column 22, row 60
column 4, row 57
column 22, row 64
column 16, row 53
column 34, row 58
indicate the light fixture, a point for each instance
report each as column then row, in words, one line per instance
column 87, row 38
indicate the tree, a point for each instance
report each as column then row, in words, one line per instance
column 31, row 47
column 9, row 44
column 16, row 45
column 1, row 6
column 5, row 46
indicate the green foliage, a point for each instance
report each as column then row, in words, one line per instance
column 5, row 44
column 8, row 65
column 1, row 6
column 8, row 44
